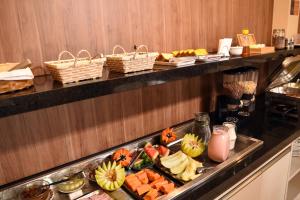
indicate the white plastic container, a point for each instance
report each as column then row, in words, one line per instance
column 236, row 51
column 232, row 134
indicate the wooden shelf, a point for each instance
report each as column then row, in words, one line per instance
column 295, row 167
column 46, row 92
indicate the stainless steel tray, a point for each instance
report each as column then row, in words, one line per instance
column 244, row 146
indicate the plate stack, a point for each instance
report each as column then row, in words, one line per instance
column 296, row 148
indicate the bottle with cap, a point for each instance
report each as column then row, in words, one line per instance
column 246, row 49
column 232, row 133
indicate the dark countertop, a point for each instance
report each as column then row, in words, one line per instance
column 276, row 137
column 46, row 92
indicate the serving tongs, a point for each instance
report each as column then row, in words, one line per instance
column 137, row 155
column 199, row 170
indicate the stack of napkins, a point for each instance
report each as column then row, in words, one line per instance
column 296, row 147
column 18, row 74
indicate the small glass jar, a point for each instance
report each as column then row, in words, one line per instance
column 201, row 126
column 278, row 38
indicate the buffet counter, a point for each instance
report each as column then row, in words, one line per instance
column 276, row 138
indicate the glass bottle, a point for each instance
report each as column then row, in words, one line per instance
column 201, row 126
column 219, row 144
column 278, row 38
column 232, row 133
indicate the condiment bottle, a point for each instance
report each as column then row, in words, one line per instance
column 201, row 126
column 246, row 49
column 232, row 133
column 218, row 146
column 278, row 38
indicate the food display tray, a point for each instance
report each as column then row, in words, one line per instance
column 243, row 147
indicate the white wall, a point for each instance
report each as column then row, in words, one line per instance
column 283, row 19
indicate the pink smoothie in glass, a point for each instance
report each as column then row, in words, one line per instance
column 219, row 144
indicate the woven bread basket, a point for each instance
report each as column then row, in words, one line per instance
column 75, row 69
column 131, row 62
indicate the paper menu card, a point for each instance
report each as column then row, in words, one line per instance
column 224, row 46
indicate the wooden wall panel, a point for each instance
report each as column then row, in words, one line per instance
column 40, row 29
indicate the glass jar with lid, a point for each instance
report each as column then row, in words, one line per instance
column 201, row 126
column 278, row 38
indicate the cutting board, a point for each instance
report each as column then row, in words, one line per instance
column 262, row 50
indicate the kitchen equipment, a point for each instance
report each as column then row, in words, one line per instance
column 249, row 78
column 233, row 89
column 282, row 94
column 292, row 88
column 240, row 87
column 236, row 51
column 201, row 126
column 219, row 144
column 278, row 38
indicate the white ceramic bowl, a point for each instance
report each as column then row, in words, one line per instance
column 236, row 51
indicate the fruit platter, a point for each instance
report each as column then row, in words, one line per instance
column 159, row 166
column 148, row 184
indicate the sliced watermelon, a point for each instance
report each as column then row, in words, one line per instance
column 151, row 152
column 148, row 144
column 163, row 151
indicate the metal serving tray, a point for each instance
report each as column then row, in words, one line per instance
column 244, row 146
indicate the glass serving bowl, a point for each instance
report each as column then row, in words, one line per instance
column 37, row 190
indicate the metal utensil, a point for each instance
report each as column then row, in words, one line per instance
column 201, row 170
column 136, row 157
column 79, row 174
column 175, row 142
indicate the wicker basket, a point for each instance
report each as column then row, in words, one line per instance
column 75, row 69
column 131, row 62
column 10, row 86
